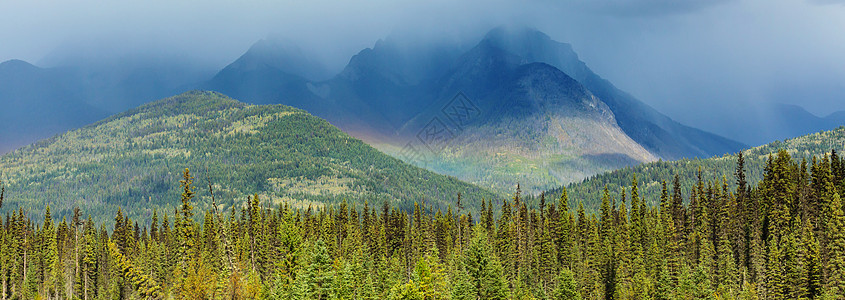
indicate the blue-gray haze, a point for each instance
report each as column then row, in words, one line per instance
column 717, row 65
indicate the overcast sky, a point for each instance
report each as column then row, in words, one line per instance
column 690, row 59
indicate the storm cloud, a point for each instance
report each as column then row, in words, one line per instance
column 697, row 61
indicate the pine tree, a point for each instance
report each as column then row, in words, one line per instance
column 480, row 274
column 186, row 223
column 316, row 280
column 779, row 193
column 812, row 263
column 546, row 254
column 836, row 249
column 795, row 284
column 563, row 231
column 567, row 288
column 49, row 253
column 775, row 277
column 664, row 285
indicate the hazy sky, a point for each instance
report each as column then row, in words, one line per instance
column 689, row 59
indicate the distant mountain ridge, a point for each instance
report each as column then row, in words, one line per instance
column 38, row 102
column 779, row 121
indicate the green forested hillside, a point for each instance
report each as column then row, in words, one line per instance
column 281, row 153
column 715, row 169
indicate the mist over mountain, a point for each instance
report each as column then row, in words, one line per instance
column 764, row 123
column 530, row 88
column 118, row 81
column 388, row 93
column 538, row 127
column 39, row 102
column 655, row 131
column 281, row 55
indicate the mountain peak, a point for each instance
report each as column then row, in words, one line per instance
column 657, row 132
column 192, row 101
column 281, row 55
column 17, row 65
column 536, row 46
column 403, row 61
column 503, row 33
column 196, row 102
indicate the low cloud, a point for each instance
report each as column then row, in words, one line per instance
column 648, row 8
column 827, row 2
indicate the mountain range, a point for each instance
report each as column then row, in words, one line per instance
column 513, row 107
column 538, row 116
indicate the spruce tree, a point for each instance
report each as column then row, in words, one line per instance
column 836, row 249
column 795, row 284
column 779, row 193
column 316, row 280
column 775, row 277
column 664, row 286
column 186, row 223
column 564, row 231
column 49, row 253
column 546, row 254
column 726, row 267
column 567, row 288
column 480, row 274
column 678, row 210
column 812, row 262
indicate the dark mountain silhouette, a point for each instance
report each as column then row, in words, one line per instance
column 38, row 103
column 655, row 131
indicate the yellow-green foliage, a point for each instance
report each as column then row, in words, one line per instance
column 279, row 152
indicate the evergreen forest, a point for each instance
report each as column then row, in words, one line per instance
column 782, row 237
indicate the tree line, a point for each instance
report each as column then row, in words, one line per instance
column 781, row 238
